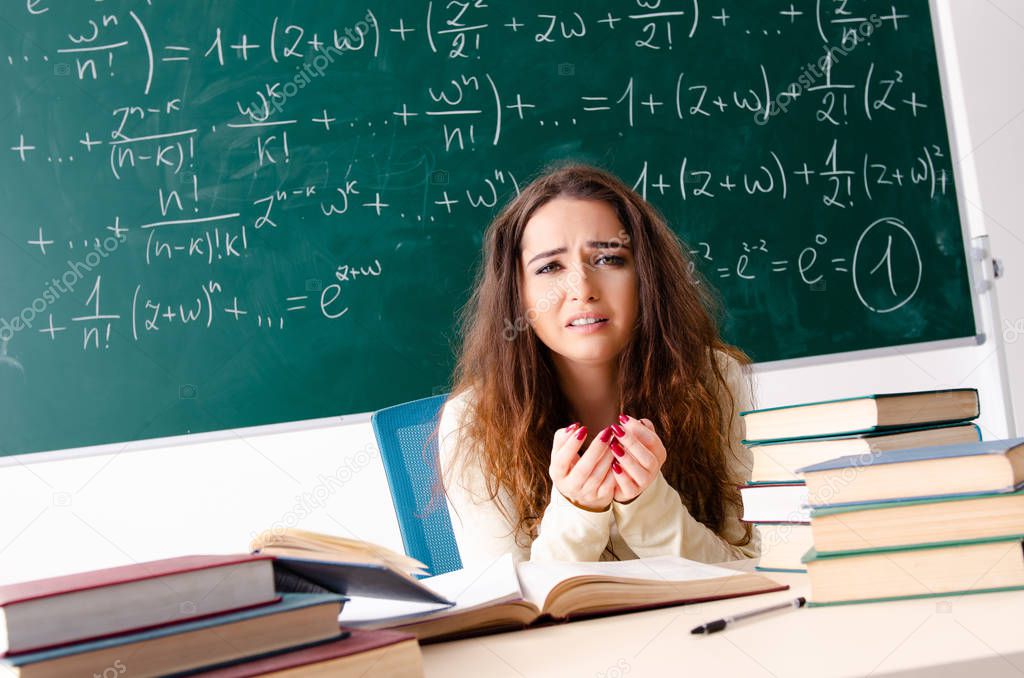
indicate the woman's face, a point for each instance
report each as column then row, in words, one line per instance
column 576, row 259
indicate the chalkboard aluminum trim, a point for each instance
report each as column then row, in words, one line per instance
column 866, row 354
column 954, row 110
column 185, row 439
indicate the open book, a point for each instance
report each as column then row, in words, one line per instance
column 309, row 562
column 506, row 595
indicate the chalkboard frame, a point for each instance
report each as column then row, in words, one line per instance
column 964, row 183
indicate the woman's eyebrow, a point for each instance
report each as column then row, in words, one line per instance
column 592, row 244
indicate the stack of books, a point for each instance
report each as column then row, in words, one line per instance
column 784, row 439
column 918, row 522
column 204, row 612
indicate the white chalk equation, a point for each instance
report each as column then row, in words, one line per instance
column 327, row 148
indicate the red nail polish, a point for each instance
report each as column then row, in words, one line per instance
column 618, row 430
column 606, row 435
column 572, row 427
column 623, row 418
column 582, row 434
column 616, row 466
column 617, row 448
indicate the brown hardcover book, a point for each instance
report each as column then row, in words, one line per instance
column 361, row 653
column 863, row 414
column 916, row 571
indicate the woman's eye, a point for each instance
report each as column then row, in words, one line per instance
column 544, row 269
column 611, row 258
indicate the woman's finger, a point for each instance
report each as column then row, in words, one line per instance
column 592, row 482
column 565, row 456
column 598, row 446
column 625, row 482
column 647, row 437
column 632, row 466
column 644, row 432
column 632, row 445
column 607, row 490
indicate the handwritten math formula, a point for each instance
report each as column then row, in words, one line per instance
column 270, row 172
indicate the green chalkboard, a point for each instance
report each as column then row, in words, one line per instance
column 225, row 214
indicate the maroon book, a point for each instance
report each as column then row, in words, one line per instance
column 353, row 652
column 114, row 600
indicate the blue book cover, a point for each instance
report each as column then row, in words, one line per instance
column 954, row 496
column 916, row 454
column 289, row 601
column 881, row 505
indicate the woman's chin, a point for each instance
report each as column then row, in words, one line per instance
column 593, row 355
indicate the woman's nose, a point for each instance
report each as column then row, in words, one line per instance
column 582, row 284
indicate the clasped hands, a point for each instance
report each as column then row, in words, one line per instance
column 619, row 464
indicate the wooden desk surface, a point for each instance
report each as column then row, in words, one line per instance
column 976, row 635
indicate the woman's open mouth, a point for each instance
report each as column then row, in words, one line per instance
column 588, row 326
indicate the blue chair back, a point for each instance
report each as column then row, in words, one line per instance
column 401, row 432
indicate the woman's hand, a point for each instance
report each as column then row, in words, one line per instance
column 585, row 480
column 639, row 456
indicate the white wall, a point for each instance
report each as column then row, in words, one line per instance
column 130, row 504
column 990, row 48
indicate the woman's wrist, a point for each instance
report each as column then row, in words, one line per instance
column 653, row 488
column 585, row 508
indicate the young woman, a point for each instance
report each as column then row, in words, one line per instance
column 594, row 412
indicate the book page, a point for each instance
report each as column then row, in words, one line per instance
column 305, row 544
column 537, row 579
column 495, row 582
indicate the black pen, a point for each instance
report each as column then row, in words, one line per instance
column 720, row 624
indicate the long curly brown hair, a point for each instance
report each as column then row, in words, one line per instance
column 667, row 372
